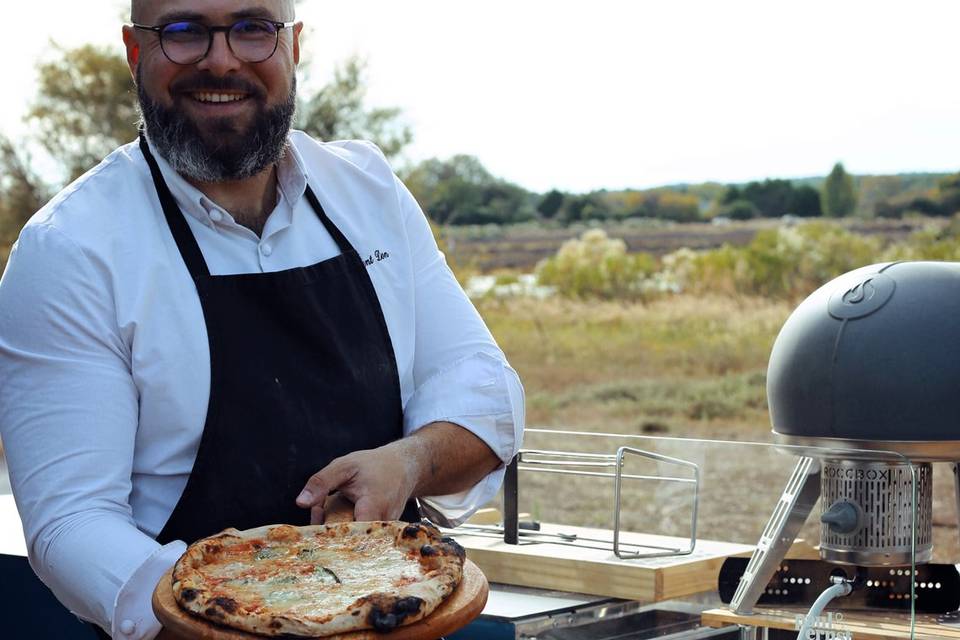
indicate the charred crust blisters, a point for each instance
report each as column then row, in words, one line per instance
column 388, row 612
column 453, row 547
column 411, row 531
column 189, row 595
column 227, row 604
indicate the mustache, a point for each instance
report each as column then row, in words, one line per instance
column 208, row 82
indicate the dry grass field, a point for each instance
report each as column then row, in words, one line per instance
column 680, row 365
column 486, row 249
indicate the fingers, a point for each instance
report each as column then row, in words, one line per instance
column 316, row 515
column 367, row 510
column 323, row 483
column 371, row 507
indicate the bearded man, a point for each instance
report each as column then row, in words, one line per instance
column 226, row 321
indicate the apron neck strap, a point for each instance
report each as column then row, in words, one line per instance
column 189, row 249
column 342, row 243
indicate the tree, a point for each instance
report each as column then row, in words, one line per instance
column 21, row 194
column 949, row 189
column 771, row 197
column 460, row 190
column 85, row 107
column 338, row 112
column 839, row 195
column 805, row 202
column 739, row 210
column 584, row 207
column 550, row 204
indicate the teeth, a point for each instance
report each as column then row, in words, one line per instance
column 218, row 97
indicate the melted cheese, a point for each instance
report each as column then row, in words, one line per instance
column 297, row 578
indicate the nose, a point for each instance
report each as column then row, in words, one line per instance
column 220, row 59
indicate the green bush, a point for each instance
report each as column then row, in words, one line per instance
column 788, row 262
column 929, row 244
column 596, row 266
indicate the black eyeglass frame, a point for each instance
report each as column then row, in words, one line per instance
column 213, row 30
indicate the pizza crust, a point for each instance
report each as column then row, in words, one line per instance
column 318, row 580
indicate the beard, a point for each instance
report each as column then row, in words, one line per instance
column 220, row 151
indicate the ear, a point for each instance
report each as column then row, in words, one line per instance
column 297, row 30
column 133, row 49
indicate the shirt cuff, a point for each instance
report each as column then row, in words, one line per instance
column 482, row 394
column 133, row 617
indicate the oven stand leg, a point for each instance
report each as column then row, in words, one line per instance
column 511, row 509
column 748, row 632
column 956, row 491
column 795, row 504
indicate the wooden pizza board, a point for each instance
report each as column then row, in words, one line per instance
column 464, row 605
column 457, row 611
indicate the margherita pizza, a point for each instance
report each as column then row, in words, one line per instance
column 318, row 580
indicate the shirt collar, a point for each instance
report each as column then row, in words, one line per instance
column 291, row 179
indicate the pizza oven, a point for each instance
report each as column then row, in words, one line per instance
column 870, row 362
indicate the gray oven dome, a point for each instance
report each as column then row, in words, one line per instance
column 873, row 355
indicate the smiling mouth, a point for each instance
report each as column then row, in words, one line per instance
column 218, row 98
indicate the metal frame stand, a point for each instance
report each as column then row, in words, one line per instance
column 796, row 503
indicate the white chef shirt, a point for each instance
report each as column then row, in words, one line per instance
column 105, row 369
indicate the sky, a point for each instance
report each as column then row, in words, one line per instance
column 579, row 95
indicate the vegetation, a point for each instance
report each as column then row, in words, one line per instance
column 839, row 194
column 770, row 199
column 461, row 191
column 597, row 266
column 783, row 262
column 338, row 112
column 99, row 80
column 681, row 364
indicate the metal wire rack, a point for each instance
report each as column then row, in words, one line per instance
column 598, row 465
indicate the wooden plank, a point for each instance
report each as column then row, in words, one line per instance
column 581, row 569
column 863, row 625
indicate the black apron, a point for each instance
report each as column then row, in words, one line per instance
column 302, row 371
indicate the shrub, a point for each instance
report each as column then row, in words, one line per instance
column 596, row 266
column 785, row 263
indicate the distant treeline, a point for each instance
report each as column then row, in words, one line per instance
column 461, row 191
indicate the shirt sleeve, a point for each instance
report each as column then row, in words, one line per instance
column 68, row 418
column 460, row 374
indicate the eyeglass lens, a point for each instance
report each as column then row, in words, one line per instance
column 189, row 42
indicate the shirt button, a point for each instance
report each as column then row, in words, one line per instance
column 128, row 627
column 266, row 250
column 216, row 216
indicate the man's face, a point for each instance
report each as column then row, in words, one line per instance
column 220, row 118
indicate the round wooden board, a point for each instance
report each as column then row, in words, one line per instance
column 463, row 606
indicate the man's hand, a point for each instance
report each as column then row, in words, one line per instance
column 378, row 482
column 441, row 458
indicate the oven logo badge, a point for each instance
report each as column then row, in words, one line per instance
column 828, row 627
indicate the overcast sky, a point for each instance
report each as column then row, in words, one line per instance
column 582, row 95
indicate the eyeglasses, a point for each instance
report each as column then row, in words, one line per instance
column 187, row 42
